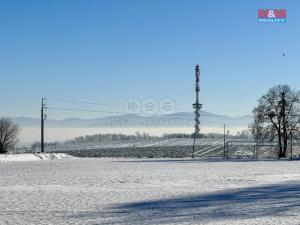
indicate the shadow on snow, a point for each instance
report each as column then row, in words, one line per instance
column 200, row 160
column 263, row 201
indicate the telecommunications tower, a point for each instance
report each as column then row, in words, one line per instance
column 197, row 106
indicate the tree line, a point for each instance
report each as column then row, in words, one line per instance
column 110, row 138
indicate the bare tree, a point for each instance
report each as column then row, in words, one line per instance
column 9, row 132
column 277, row 116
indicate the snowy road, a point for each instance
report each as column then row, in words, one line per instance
column 116, row 191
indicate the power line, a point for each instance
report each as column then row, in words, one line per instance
column 81, row 110
column 99, row 111
column 121, row 106
column 120, row 112
column 82, row 102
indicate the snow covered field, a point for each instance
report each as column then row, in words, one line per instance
column 160, row 191
column 33, row 156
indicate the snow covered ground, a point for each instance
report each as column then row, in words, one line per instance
column 160, row 191
column 33, row 156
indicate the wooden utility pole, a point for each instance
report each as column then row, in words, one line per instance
column 43, row 118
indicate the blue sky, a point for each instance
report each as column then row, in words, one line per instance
column 108, row 51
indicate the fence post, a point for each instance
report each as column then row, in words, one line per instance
column 256, row 150
column 224, row 153
column 291, row 145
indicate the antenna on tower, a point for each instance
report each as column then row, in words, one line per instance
column 197, row 106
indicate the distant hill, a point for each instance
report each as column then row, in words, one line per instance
column 180, row 119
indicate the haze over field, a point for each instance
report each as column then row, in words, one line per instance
column 61, row 130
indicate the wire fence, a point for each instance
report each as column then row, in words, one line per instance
column 173, row 148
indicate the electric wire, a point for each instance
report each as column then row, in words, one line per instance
column 121, row 106
column 82, row 102
column 120, row 112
